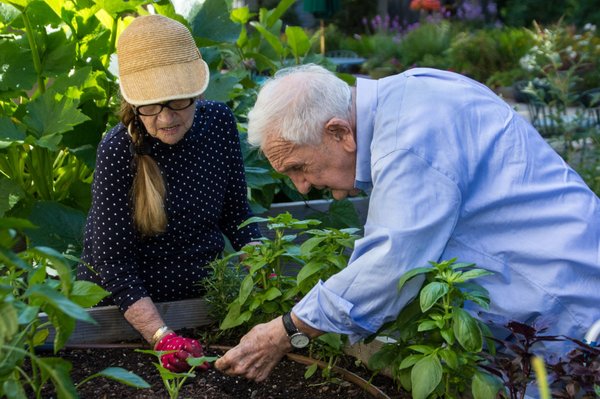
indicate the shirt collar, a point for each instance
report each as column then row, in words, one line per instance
column 366, row 105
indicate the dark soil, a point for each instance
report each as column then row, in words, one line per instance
column 287, row 380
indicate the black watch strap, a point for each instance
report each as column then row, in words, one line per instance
column 289, row 325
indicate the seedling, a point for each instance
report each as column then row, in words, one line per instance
column 173, row 382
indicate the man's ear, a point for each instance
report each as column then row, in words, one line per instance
column 340, row 130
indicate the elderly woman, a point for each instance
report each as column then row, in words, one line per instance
column 169, row 182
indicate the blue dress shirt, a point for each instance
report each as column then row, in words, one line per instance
column 454, row 172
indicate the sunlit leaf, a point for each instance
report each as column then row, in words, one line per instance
column 48, row 115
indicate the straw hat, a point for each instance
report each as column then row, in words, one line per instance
column 159, row 61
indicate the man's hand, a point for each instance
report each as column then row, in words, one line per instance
column 258, row 352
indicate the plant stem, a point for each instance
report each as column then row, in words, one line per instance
column 34, row 54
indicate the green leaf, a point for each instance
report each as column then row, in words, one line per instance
column 425, row 349
column 59, row 54
column 450, row 357
column 10, row 133
column 425, row 376
column 333, row 340
column 412, row 273
column 275, row 14
column 64, row 325
column 8, row 322
column 271, row 293
column 49, row 115
column 59, row 371
column 60, row 226
column 10, row 193
column 383, row 358
column 212, row 25
column 87, row 294
column 241, row 15
column 55, row 299
column 431, row 293
column 197, row 361
column 409, row 361
column 13, row 389
column 297, row 40
column 123, row 376
column 18, row 72
column 471, row 274
column 485, row 386
column 308, row 270
column 427, row 325
column 466, row 330
column 273, row 40
column 310, row 370
column 220, row 87
column 245, row 289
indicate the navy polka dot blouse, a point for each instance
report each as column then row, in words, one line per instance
column 206, row 199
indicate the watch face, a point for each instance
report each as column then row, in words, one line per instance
column 299, row 340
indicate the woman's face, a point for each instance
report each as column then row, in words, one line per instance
column 168, row 125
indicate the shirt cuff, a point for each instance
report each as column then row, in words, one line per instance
column 326, row 311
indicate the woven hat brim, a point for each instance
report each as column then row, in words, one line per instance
column 164, row 83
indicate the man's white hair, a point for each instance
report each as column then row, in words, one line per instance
column 296, row 103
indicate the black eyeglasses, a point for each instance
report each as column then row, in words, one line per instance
column 155, row 109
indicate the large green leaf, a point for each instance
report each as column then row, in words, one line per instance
column 220, row 86
column 60, row 227
column 466, row 330
column 49, row 115
column 425, row 376
column 16, row 65
column 59, row 54
column 212, row 25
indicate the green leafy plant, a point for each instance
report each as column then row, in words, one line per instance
column 173, row 382
column 280, row 270
column 436, row 345
column 40, row 280
column 328, row 348
column 268, row 289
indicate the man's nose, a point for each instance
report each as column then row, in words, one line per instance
column 302, row 185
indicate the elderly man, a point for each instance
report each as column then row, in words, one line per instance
column 452, row 172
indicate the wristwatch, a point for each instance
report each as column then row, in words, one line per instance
column 298, row 339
